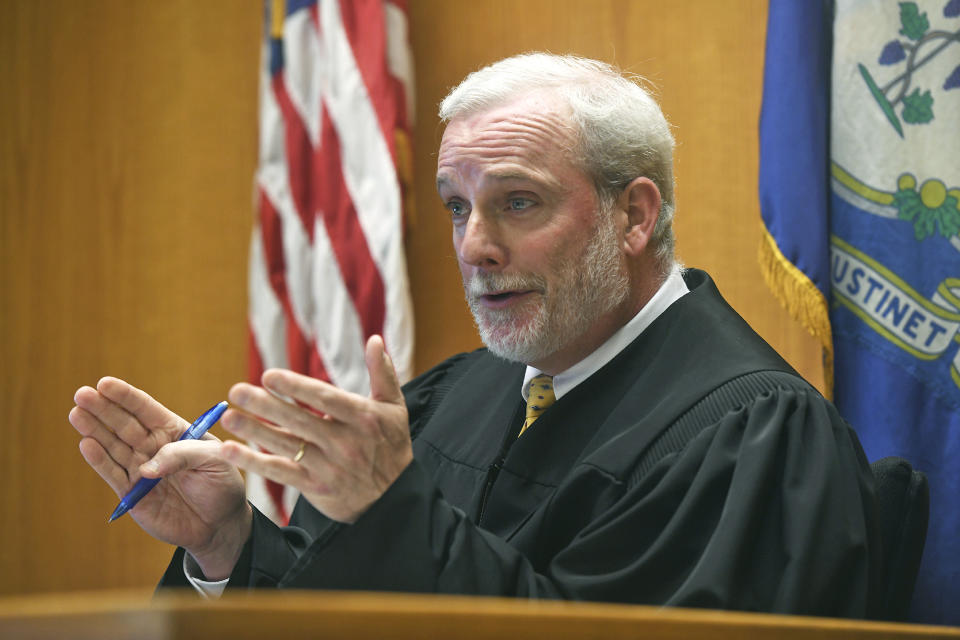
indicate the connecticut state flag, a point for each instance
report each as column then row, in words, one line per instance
column 860, row 195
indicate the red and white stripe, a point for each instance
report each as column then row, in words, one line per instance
column 327, row 267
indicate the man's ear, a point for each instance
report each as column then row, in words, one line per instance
column 640, row 201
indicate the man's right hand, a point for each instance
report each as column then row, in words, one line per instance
column 201, row 505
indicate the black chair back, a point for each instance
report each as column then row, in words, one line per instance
column 903, row 498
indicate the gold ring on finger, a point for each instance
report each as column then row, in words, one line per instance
column 300, row 451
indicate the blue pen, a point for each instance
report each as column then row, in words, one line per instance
column 194, row 432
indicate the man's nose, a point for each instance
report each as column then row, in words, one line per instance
column 482, row 244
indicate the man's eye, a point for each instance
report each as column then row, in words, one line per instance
column 519, row 204
column 456, row 208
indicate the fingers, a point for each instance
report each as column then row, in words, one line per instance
column 321, row 397
column 321, row 419
column 272, row 439
column 326, row 399
column 276, row 468
column 110, row 415
column 146, row 412
column 119, row 465
column 90, row 427
column 137, row 419
column 384, row 383
column 180, row 456
column 255, row 401
column 101, row 462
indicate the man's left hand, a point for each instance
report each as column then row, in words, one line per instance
column 354, row 447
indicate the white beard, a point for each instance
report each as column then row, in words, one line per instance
column 585, row 288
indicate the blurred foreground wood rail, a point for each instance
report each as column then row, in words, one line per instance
column 113, row 614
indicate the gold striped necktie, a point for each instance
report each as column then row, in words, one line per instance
column 539, row 398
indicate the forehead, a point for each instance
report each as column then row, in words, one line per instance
column 531, row 135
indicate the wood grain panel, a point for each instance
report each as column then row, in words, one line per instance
column 348, row 615
column 127, row 151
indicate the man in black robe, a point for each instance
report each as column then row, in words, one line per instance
column 624, row 437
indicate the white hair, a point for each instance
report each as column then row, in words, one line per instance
column 621, row 130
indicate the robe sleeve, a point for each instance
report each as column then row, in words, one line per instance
column 770, row 508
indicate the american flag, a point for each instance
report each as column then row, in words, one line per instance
column 327, row 268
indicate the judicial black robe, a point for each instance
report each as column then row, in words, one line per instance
column 694, row 469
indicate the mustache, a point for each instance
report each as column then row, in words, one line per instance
column 482, row 284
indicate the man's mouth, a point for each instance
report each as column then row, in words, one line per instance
column 502, row 299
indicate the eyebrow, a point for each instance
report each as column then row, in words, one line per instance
column 502, row 176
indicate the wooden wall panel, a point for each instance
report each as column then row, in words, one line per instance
column 127, row 150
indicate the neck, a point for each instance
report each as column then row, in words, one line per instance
column 599, row 332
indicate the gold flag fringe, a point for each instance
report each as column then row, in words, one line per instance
column 801, row 298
